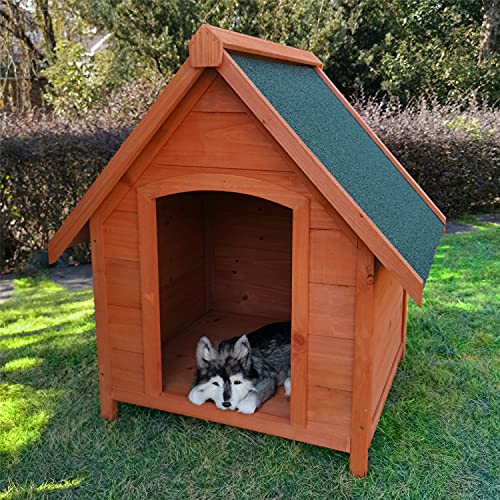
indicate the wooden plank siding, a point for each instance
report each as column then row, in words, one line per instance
column 332, row 310
column 253, row 256
column 387, row 338
column 332, row 294
column 330, row 362
column 128, row 370
column 226, row 140
column 219, row 135
column 333, row 258
column 123, row 282
column 181, row 261
column 121, row 233
column 124, row 327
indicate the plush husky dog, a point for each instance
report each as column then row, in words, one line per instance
column 243, row 372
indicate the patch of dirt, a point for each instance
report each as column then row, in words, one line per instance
column 454, row 227
column 489, row 218
column 74, row 278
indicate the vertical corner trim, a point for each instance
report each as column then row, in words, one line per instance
column 362, row 369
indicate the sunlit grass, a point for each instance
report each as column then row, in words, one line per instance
column 438, row 436
column 21, row 364
column 34, row 491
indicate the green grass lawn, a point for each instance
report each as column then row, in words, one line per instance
column 439, row 436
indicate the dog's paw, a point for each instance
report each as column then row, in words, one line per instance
column 196, row 396
column 288, row 387
column 248, row 405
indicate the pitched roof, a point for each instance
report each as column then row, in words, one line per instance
column 320, row 131
column 327, row 127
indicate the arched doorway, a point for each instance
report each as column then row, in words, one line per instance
column 221, row 256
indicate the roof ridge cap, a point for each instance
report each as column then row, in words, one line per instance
column 208, row 44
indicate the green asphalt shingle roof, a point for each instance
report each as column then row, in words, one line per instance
column 330, row 131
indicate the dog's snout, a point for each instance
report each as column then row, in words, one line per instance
column 226, row 404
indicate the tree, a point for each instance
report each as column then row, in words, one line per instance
column 17, row 22
column 29, row 31
column 46, row 25
column 489, row 30
column 396, row 48
column 431, row 47
column 19, row 54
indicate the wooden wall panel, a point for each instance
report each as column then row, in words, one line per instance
column 220, row 98
column 121, row 250
column 228, row 140
column 333, row 258
column 332, row 310
column 123, row 279
column 330, row 406
column 236, row 263
column 127, row 371
column 243, row 298
column 322, row 217
column 181, row 256
column 121, row 235
column 253, row 256
column 330, row 362
column 125, row 328
column 388, row 318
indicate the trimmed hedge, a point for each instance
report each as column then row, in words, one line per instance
column 451, row 150
column 43, row 176
column 47, row 163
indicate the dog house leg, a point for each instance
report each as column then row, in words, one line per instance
column 109, row 408
column 362, row 369
column 403, row 327
column 358, row 463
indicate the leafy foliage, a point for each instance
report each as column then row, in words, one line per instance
column 398, row 48
column 432, row 48
column 73, row 82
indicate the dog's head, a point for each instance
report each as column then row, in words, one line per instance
column 223, row 373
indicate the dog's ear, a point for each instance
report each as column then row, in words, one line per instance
column 242, row 349
column 205, row 353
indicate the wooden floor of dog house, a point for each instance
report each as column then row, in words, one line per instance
column 179, row 363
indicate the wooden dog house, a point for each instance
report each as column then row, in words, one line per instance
column 250, row 192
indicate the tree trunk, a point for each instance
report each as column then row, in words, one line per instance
column 489, row 29
column 48, row 26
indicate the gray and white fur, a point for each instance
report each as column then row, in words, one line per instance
column 243, row 372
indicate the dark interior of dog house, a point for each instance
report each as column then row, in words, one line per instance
column 225, row 269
